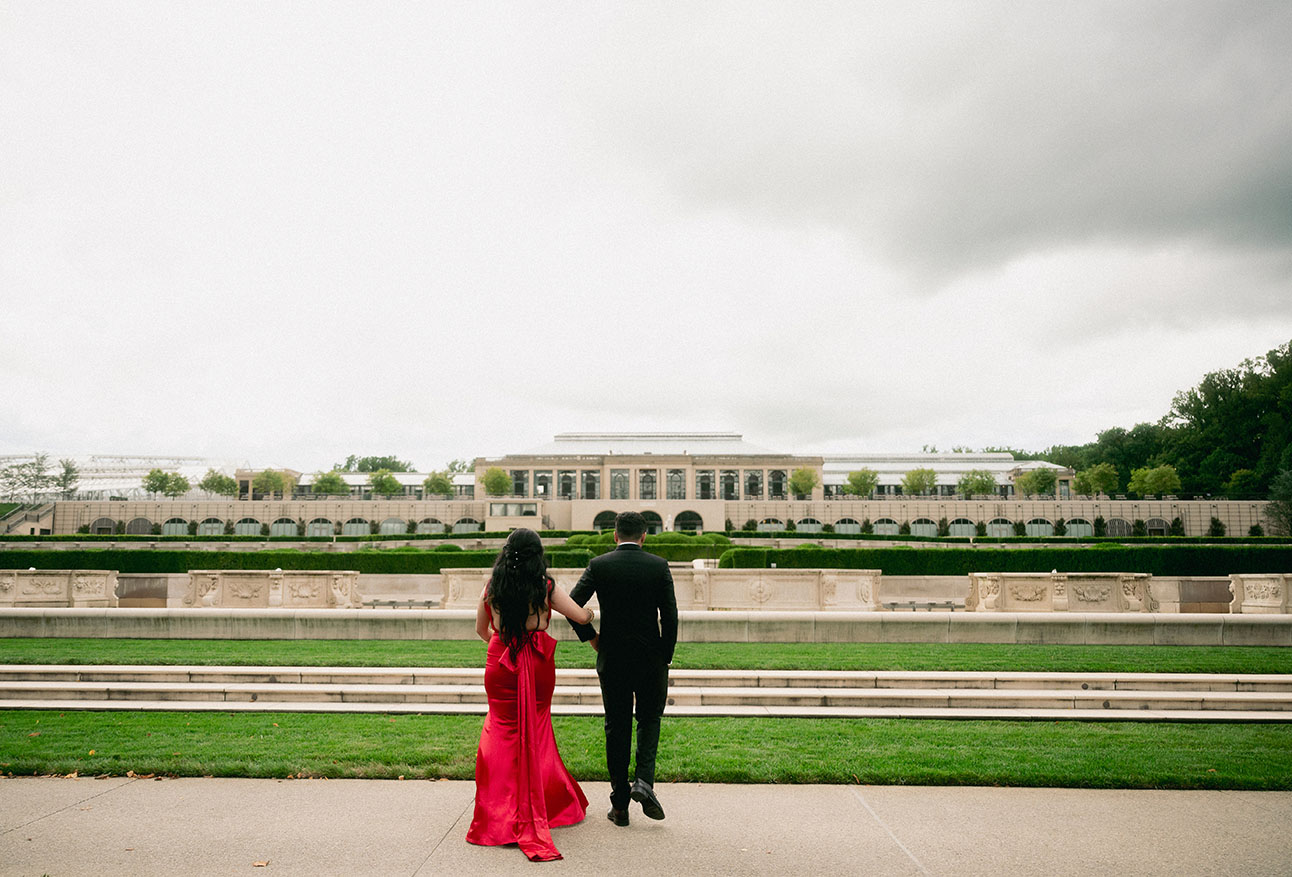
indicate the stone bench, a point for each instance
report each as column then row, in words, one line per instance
column 402, row 604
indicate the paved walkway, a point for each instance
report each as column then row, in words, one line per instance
column 60, row 826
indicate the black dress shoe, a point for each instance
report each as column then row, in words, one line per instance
column 645, row 795
column 618, row 817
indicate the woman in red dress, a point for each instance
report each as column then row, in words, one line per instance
column 522, row 787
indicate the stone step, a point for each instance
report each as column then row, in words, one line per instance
column 688, row 678
column 679, row 695
column 870, row 712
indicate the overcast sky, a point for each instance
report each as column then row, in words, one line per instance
column 282, row 233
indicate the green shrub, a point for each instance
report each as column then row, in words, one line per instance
column 1020, row 529
column 904, row 529
column 1139, row 528
column 980, row 529
column 1177, row 526
column 1100, row 526
column 1162, row 560
column 1256, row 530
column 1217, row 527
column 944, row 527
column 1060, row 527
column 749, row 526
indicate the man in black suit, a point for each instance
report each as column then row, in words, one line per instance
column 634, row 650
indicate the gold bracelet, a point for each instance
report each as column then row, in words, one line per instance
column 592, row 613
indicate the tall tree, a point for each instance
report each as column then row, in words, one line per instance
column 1157, row 480
column 456, row 466
column 385, row 484
column 1038, row 482
column 976, row 482
column 176, row 485
column 496, row 482
column 155, row 481
column 218, row 483
column 1279, row 508
column 35, row 475
column 390, row 463
column 1099, row 478
column 329, row 484
column 861, row 483
column 919, row 482
column 271, row 482
column 67, row 479
column 438, row 484
column 803, row 481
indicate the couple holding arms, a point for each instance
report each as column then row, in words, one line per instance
column 522, row 787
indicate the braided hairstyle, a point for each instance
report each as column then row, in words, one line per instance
column 518, row 587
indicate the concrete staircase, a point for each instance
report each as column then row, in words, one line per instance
column 785, row 693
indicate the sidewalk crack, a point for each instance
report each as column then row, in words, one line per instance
column 889, row 831
column 452, row 825
column 68, row 807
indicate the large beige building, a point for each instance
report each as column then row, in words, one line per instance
column 681, row 481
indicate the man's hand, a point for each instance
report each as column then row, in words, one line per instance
column 595, row 642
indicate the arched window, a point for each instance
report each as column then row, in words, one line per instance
column 646, row 484
column 729, row 485
column 356, row 527
column 1118, row 527
column 103, row 527
column 1040, row 527
column 924, row 527
column 1080, row 528
column 753, row 484
column 467, row 525
column 604, row 521
column 247, row 527
column 139, row 527
column 211, row 527
column 1157, row 527
column 688, row 521
column 999, row 528
column 886, row 527
column 847, row 525
column 808, row 525
column 676, row 484
column 393, row 527
column 618, row 483
column 961, row 527
column 770, row 525
column 430, row 525
column 283, row 527
column 776, row 484
column 175, row 527
column 320, row 527
column 654, row 523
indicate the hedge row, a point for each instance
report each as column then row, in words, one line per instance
column 160, row 561
column 388, row 537
column 1179, row 560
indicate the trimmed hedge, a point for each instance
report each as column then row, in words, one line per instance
column 160, row 561
column 377, row 537
column 1178, row 560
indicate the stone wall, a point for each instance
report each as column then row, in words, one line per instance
column 58, row 587
column 1259, row 594
column 263, row 589
column 1060, row 592
column 723, row 589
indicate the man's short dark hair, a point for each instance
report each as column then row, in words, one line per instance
column 630, row 525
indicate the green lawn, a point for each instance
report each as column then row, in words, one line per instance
column 739, row 750
column 779, row 656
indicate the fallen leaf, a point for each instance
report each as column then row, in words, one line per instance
column 263, row 864
column 275, row 724
column 34, row 734
column 1211, row 770
column 130, row 849
column 401, row 776
column 91, row 751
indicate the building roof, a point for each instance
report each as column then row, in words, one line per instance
column 637, row 443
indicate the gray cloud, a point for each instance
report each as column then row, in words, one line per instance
column 951, row 135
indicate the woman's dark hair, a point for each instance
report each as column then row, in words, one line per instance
column 518, row 588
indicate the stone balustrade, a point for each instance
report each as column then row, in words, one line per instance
column 1060, row 592
column 264, row 589
column 727, row 589
column 89, row 588
column 1259, row 594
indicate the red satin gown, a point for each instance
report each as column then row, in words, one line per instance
column 522, row 787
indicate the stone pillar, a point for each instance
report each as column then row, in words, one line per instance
column 1260, row 594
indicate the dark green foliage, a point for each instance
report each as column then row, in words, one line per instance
column 163, row 561
column 980, row 529
column 1256, row 530
column 1139, row 528
column 1020, row 529
column 904, row 529
column 1100, row 526
column 750, row 525
column 1217, row 527
column 1177, row 527
column 1060, row 527
column 944, row 527
column 1164, row 560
